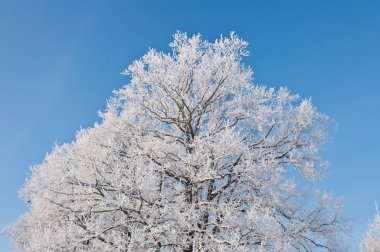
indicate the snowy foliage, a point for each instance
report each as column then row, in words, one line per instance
column 371, row 240
column 189, row 156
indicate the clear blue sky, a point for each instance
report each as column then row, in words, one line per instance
column 60, row 61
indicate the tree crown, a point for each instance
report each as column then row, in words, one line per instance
column 189, row 156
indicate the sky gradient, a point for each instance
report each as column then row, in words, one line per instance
column 61, row 60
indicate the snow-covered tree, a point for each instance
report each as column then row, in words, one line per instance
column 189, row 156
column 371, row 240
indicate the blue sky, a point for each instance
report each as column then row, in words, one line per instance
column 60, row 61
